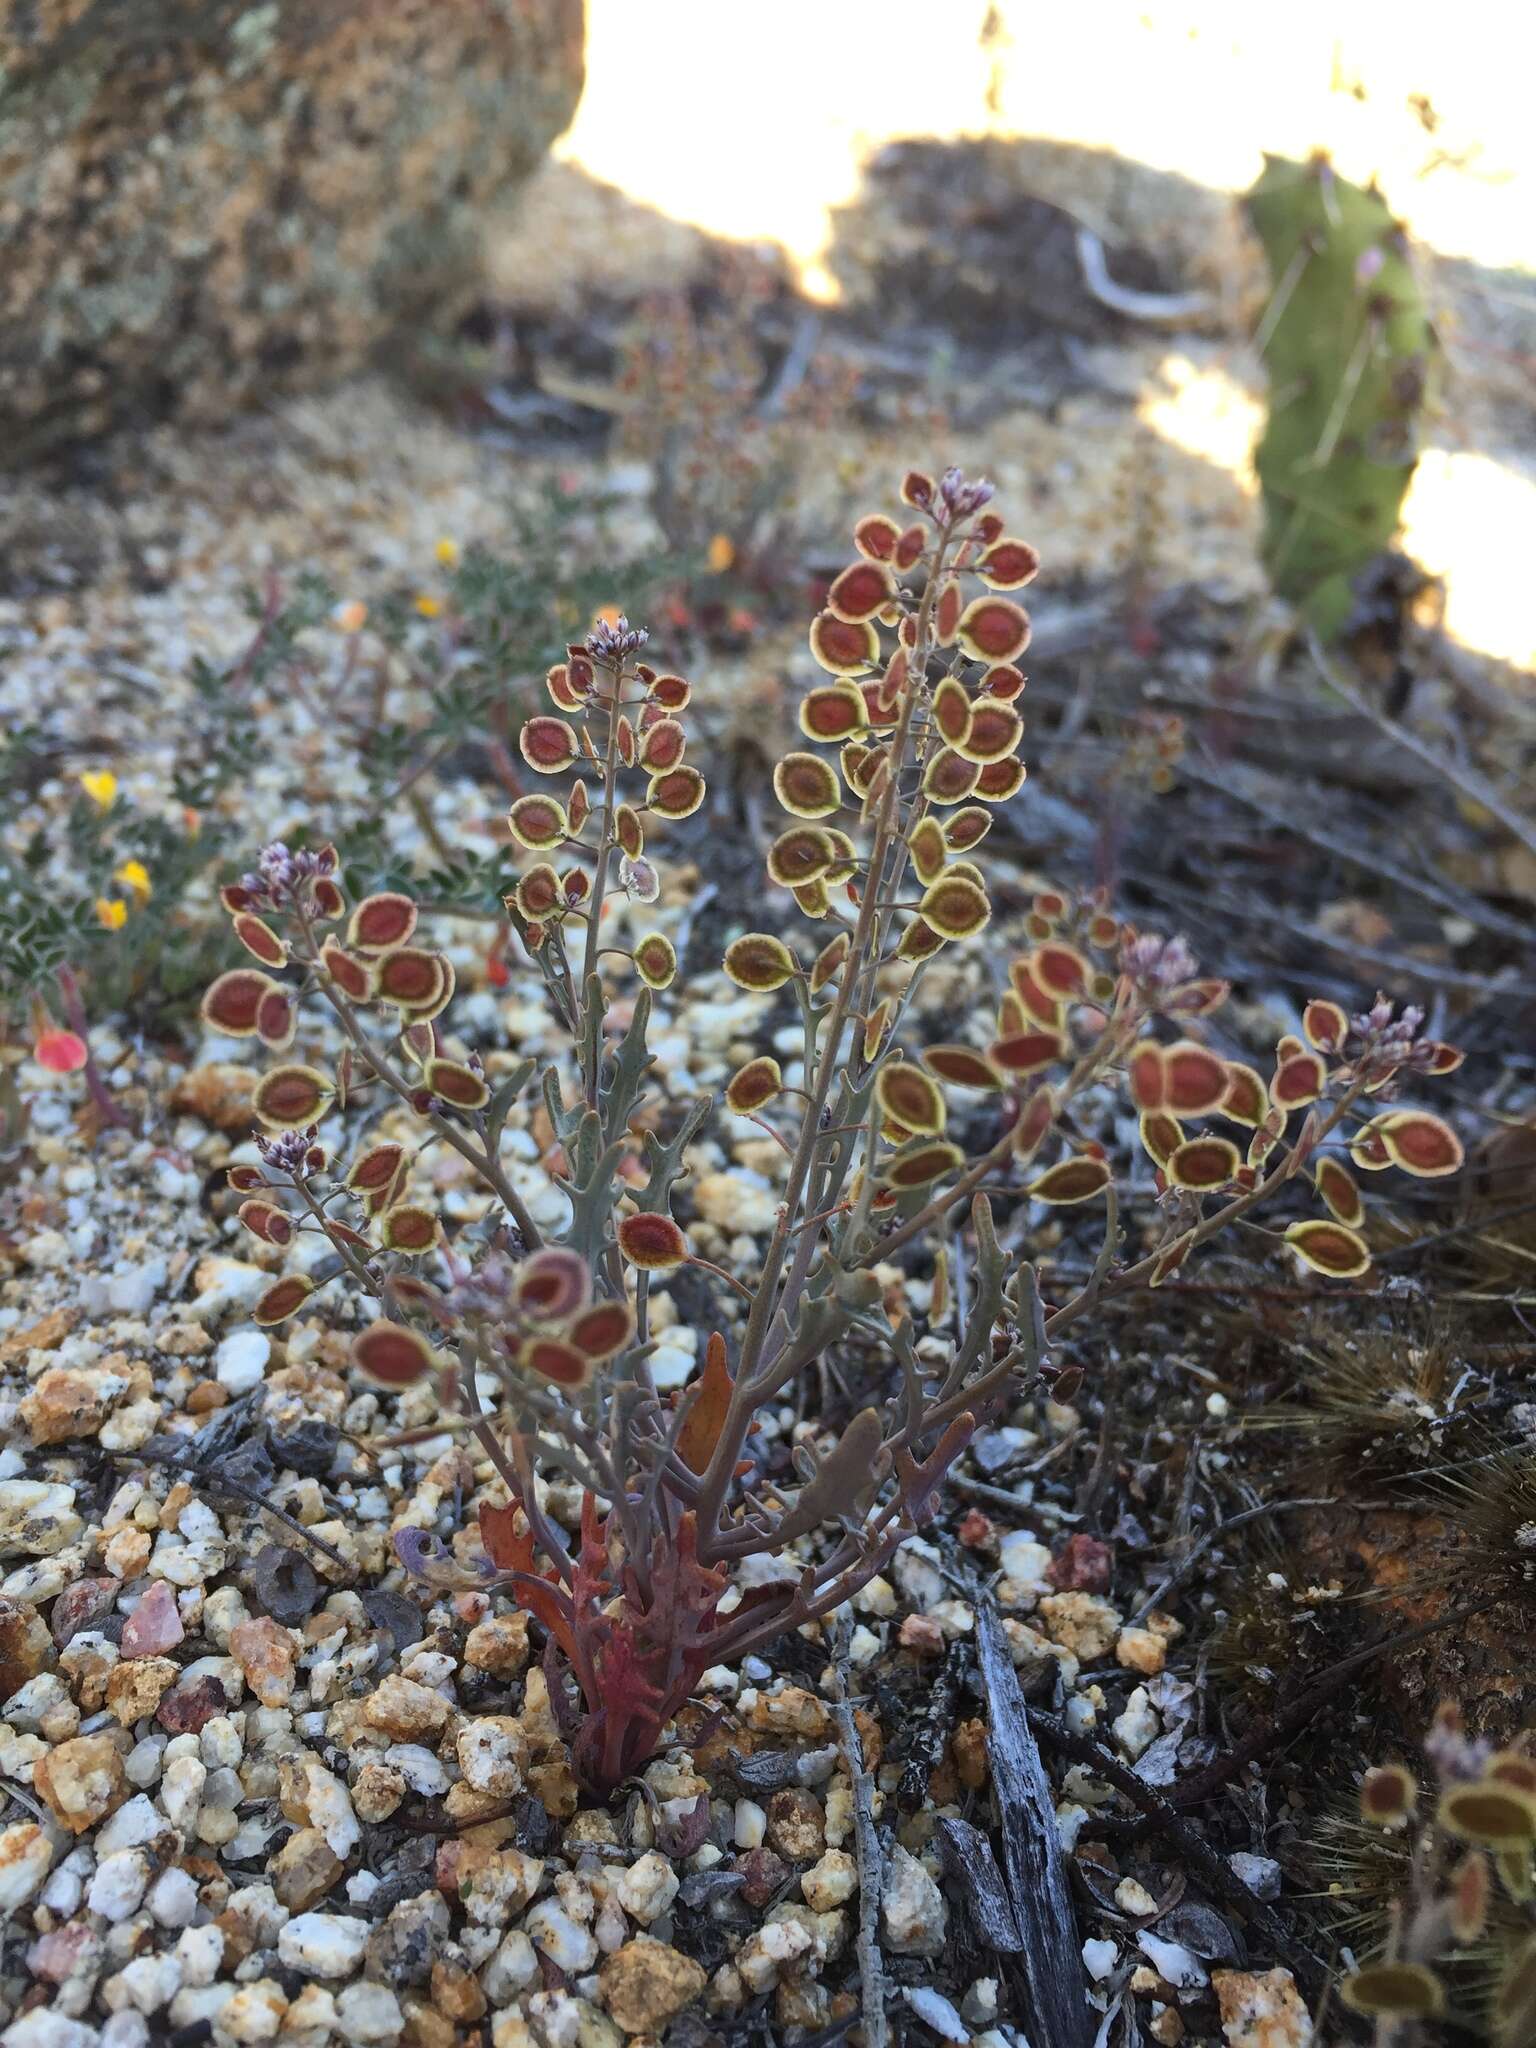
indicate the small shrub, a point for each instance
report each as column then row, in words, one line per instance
column 909, row 743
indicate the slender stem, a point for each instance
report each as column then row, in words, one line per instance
column 479, row 1157
column 604, row 852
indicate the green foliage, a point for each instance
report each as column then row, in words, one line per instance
column 1349, row 350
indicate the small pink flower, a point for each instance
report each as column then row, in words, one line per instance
column 61, row 1052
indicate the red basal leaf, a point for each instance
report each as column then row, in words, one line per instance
column 700, row 1432
column 507, row 1539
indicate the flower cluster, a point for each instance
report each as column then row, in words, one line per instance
column 910, row 738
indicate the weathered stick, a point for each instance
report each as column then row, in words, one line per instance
column 1037, row 1878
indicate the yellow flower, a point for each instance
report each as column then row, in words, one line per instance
column 722, row 554
column 447, row 552
column 429, row 607
column 100, row 785
column 135, row 876
column 111, row 913
column 351, row 616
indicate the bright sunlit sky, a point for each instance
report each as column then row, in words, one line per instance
column 753, row 123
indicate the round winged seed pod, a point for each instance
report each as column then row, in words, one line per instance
column 844, row 647
column 656, row 960
column 538, row 823
column 231, row 1002
column 380, row 923
column 548, row 745
column 993, row 630
column 806, row 786
column 760, row 962
column 289, row 1098
column 864, row 588
column 677, row 794
column 802, row 855
column 392, row 1355
column 833, row 712
column 909, row 1097
column 260, row 940
column 652, row 1241
column 753, row 1086
column 1329, row 1248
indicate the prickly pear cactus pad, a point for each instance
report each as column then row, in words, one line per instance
column 1349, row 349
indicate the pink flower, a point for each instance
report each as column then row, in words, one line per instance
column 61, row 1052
